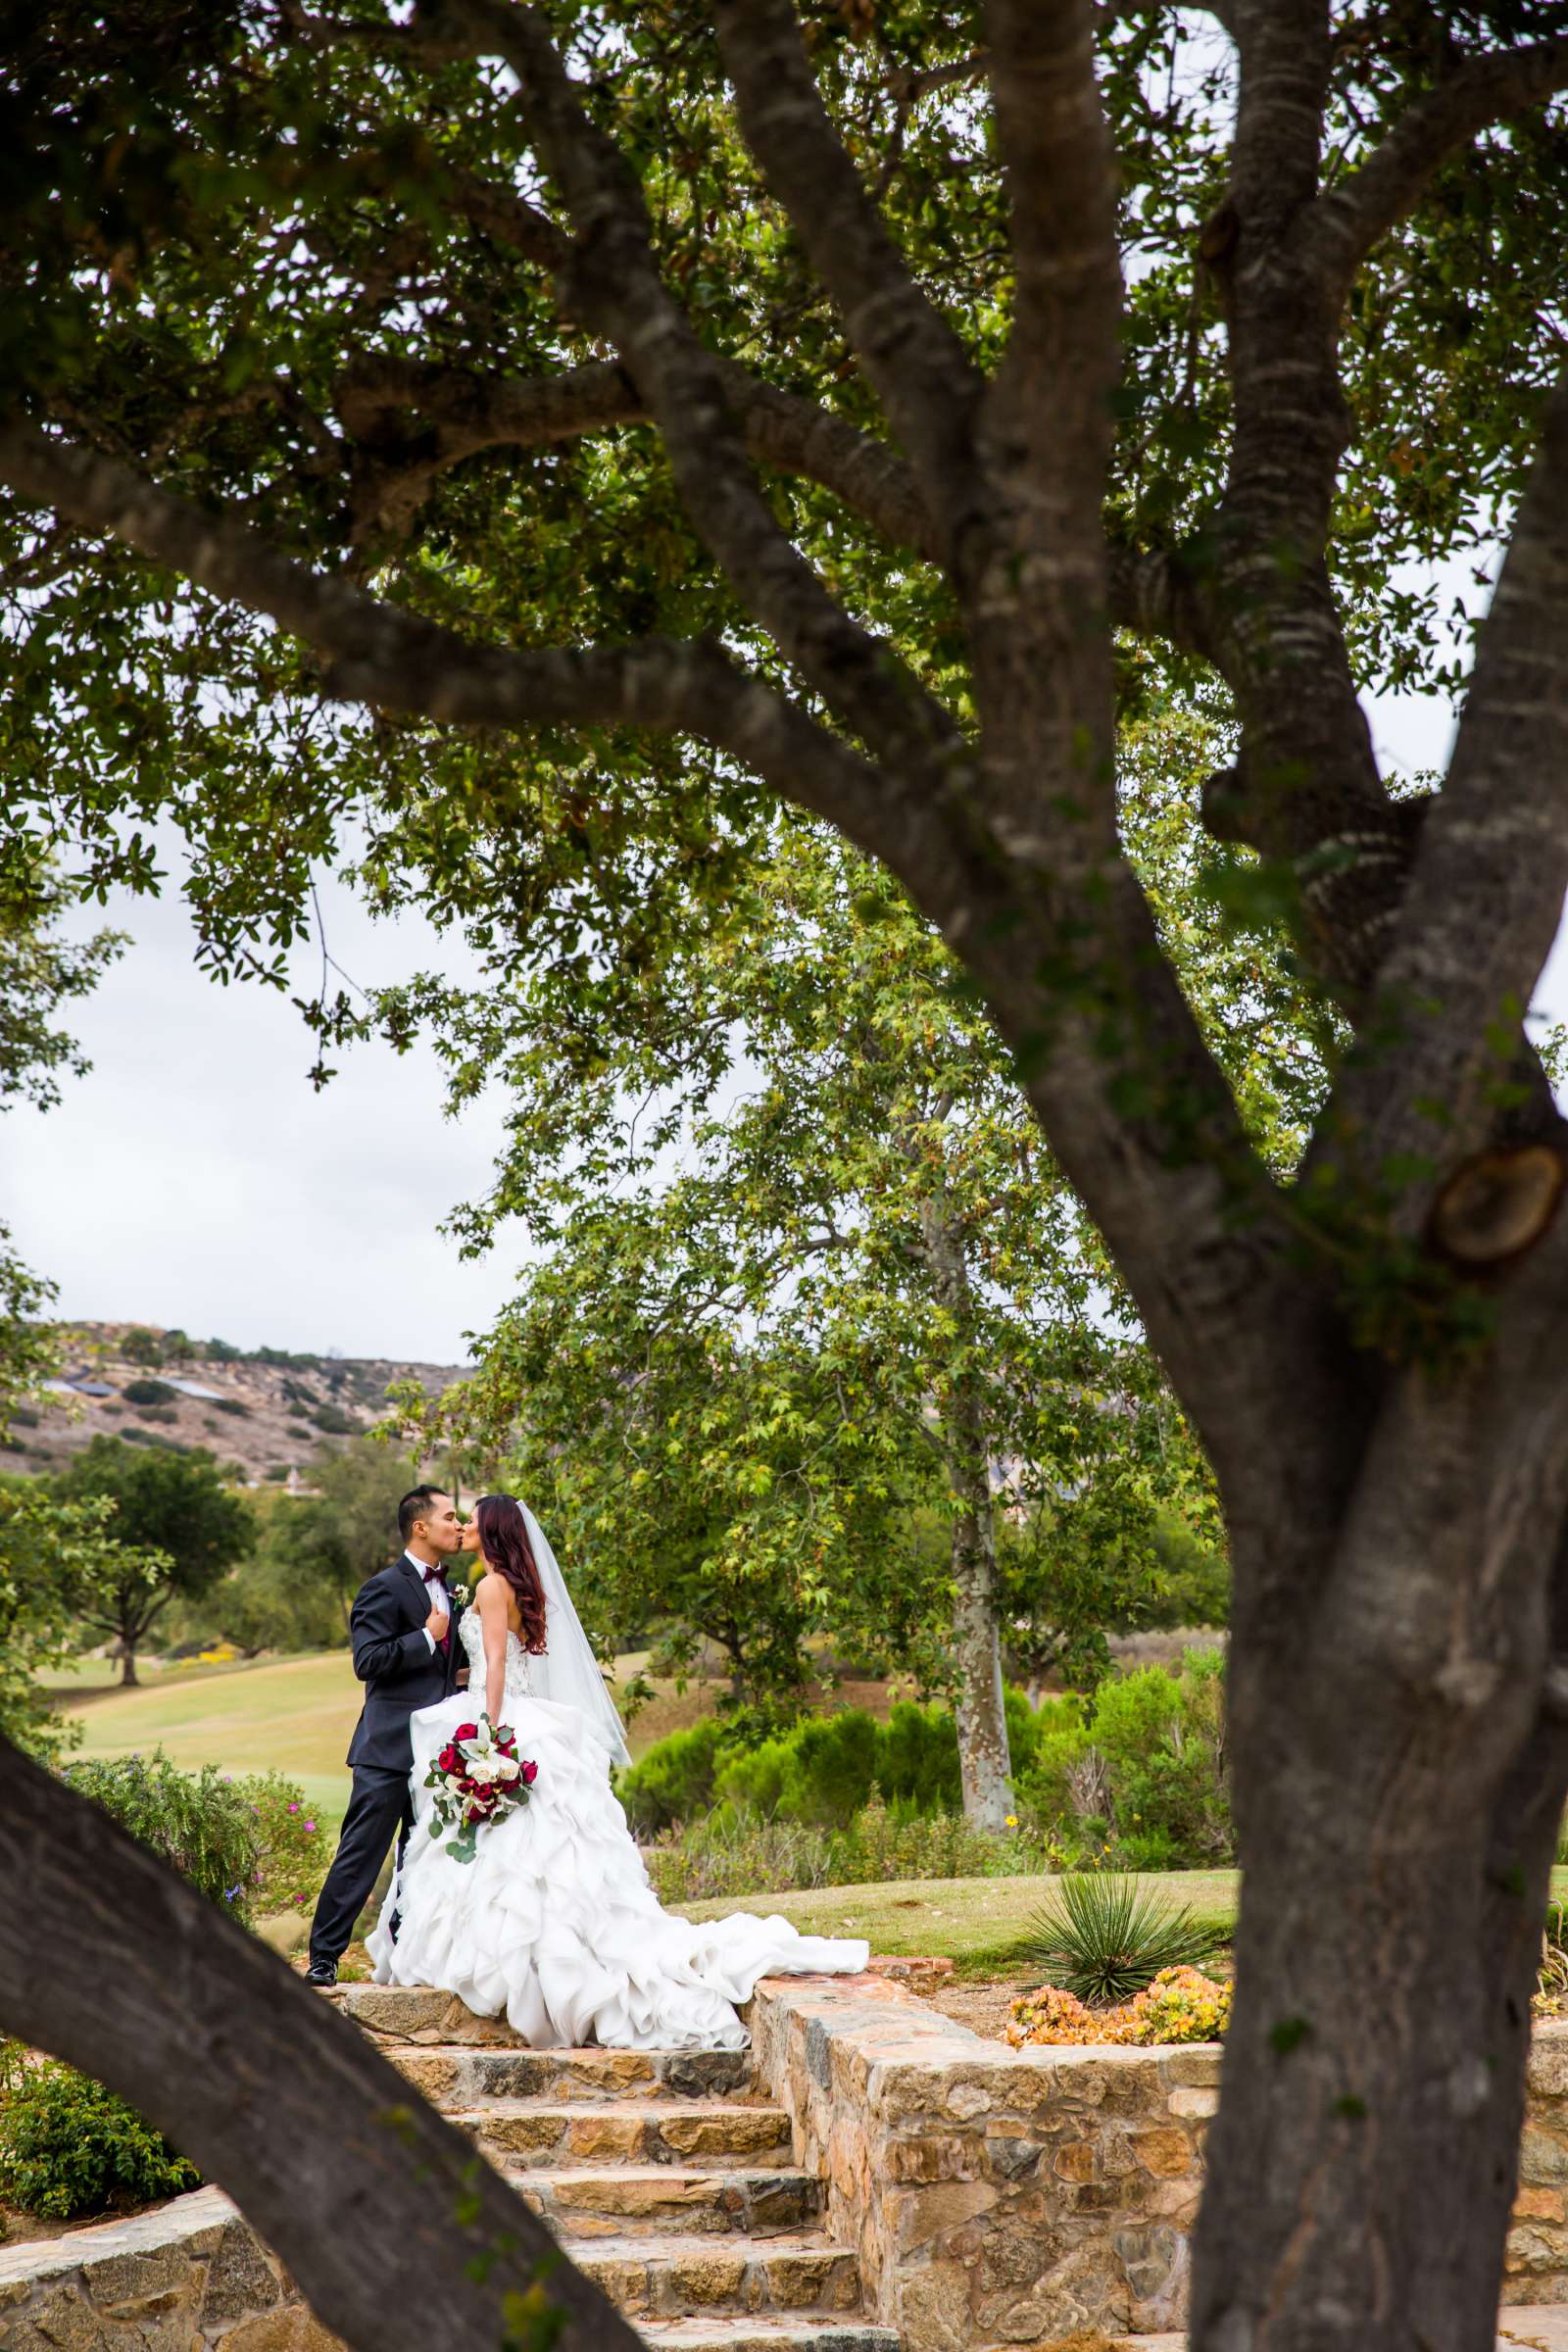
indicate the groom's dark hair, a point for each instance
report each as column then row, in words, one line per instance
column 415, row 1505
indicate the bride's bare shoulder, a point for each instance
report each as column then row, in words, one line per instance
column 494, row 1601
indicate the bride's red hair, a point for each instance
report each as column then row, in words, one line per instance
column 503, row 1540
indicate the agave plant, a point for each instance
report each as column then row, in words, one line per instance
column 1105, row 1937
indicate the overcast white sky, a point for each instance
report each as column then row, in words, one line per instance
column 193, row 1178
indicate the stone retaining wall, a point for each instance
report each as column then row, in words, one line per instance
column 190, row 2276
column 997, row 2196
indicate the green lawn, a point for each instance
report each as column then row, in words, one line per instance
column 292, row 1715
column 983, row 1924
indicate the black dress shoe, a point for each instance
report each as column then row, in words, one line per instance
column 322, row 1972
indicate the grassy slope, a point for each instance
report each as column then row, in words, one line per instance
column 292, row 1715
column 981, row 1922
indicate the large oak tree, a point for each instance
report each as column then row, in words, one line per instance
column 560, row 426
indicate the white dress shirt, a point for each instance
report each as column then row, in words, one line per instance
column 437, row 1590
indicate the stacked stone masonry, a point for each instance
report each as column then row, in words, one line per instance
column 1001, row 2198
column 668, row 2175
column 871, row 2177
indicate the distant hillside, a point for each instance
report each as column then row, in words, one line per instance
column 267, row 1412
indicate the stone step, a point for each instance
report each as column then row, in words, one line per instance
column 768, row 2334
column 661, row 2200
column 620, row 2131
column 455, row 2074
column 681, row 2277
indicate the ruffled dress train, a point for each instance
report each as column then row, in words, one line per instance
column 554, row 1921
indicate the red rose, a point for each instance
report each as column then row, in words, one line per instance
column 446, row 1760
column 467, row 1731
column 530, row 1773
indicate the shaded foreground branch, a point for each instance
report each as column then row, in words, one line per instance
column 110, row 1961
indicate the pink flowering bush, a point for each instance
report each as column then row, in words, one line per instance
column 293, row 1849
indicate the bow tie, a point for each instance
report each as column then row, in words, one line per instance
column 433, row 1576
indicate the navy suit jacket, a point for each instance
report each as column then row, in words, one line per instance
column 395, row 1662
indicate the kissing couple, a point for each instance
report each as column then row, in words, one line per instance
column 554, row 1921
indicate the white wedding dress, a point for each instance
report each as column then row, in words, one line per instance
column 555, row 1920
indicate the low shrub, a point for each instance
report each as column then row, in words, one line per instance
column 821, row 1771
column 149, row 1391
column 198, row 1821
column 229, row 1404
column 877, row 1845
column 1182, row 2004
column 1105, row 1938
column 674, row 1781
column 292, row 1848
column 69, row 2147
column 733, row 1853
column 334, row 1422
column 1137, row 1775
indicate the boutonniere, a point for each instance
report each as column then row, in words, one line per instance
column 461, row 1592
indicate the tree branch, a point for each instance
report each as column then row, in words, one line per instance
column 375, row 653
column 378, row 655
column 1045, row 433
column 921, row 374
column 1168, row 1209
column 1485, row 895
column 612, row 282
column 1053, row 388
column 113, row 1963
column 471, row 413
column 1307, row 788
column 1345, row 221
column 1157, row 594
column 1284, row 59
column 509, row 219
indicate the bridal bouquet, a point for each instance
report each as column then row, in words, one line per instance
column 477, row 1777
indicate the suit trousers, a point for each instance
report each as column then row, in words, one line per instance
column 380, row 1809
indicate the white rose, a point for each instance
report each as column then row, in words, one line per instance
column 506, row 1768
column 482, row 1768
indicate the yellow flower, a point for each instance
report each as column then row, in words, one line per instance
column 1013, row 1821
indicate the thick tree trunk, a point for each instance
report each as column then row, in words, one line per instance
column 984, row 1761
column 128, row 1677
column 1400, row 1777
column 398, row 2230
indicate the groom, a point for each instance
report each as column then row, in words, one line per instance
column 405, row 1652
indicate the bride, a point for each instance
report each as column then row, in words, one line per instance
column 555, row 1920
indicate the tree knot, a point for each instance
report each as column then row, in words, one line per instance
column 1498, row 1205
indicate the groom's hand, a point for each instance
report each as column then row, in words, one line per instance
column 461, row 1678
column 435, row 1625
